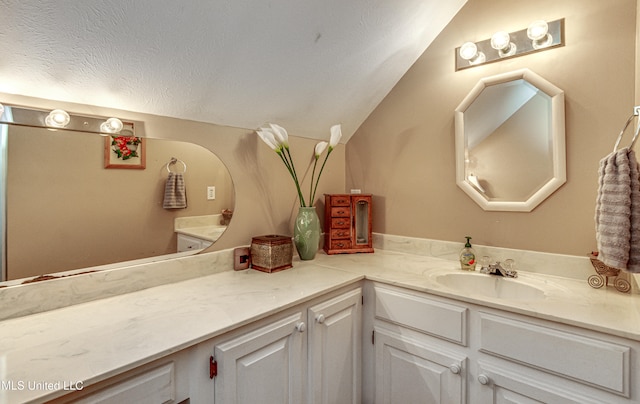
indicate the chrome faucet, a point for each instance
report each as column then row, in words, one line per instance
column 499, row 270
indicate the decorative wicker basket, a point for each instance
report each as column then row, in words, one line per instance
column 604, row 272
column 271, row 253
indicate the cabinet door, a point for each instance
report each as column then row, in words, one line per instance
column 335, row 350
column 506, row 385
column 408, row 371
column 262, row 366
column 187, row 243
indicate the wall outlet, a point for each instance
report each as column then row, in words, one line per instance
column 241, row 258
column 211, row 193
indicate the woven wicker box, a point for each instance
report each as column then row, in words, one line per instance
column 271, row 253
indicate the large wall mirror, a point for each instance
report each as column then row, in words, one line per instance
column 65, row 210
column 510, row 141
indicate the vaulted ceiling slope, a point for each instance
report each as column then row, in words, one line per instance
column 304, row 64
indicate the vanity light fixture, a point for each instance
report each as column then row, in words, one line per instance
column 538, row 36
column 58, row 118
column 111, row 125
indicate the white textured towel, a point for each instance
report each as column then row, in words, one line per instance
column 618, row 211
column 175, row 193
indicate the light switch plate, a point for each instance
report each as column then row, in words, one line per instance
column 211, row 193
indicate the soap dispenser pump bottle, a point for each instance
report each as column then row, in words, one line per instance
column 468, row 257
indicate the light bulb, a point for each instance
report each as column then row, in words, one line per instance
column 501, row 41
column 469, row 51
column 57, row 118
column 111, row 125
column 538, row 32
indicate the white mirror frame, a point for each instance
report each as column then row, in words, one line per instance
column 557, row 134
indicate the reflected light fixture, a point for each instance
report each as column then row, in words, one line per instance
column 501, row 41
column 111, row 125
column 58, row 118
column 538, row 36
column 469, row 51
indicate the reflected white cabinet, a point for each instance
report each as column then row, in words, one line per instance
column 189, row 243
column 312, row 353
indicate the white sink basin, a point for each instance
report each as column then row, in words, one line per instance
column 476, row 284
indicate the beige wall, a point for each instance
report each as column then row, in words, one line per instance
column 404, row 151
column 265, row 197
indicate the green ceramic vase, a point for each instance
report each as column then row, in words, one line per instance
column 306, row 233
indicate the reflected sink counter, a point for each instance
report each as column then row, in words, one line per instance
column 209, row 233
column 206, row 227
column 97, row 340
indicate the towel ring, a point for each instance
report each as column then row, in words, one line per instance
column 174, row 161
column 636, row 112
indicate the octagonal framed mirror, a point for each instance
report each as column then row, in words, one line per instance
column 510, row 141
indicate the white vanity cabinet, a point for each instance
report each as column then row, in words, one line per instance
column 426, row 348
column 307, row 354
column 166, row 380
column 410, row 363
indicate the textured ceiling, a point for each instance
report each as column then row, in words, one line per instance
column 304, row 64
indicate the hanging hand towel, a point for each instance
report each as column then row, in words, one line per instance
column 175, row 193
column 618, row 211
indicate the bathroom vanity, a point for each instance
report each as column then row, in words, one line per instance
column 385, row 327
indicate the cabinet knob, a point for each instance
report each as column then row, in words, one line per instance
column 301, row 327
column 320, row 318
column 483, row 379
column 455, row 369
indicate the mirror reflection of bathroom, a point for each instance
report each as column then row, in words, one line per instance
column 510, row 141
column 63, row 203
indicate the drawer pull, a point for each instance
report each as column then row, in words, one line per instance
column 455, row 369
column 320, row 318
column 301, row 327
column 483, row 379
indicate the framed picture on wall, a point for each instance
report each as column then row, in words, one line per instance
column 125, row 149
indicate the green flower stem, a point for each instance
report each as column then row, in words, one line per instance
column 292, row 171
column 313, row 195
column 313, row 173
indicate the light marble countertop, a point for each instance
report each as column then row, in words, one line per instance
column 96, row 340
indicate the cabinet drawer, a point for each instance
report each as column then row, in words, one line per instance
column 340, row 233
column 340, row 211
column 154, row 386
column 340, row 223
column 340, row 200
column 592, row 361
column 340, row 244
column 442, row 320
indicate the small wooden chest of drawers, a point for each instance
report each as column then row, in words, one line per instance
column 347, row 223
